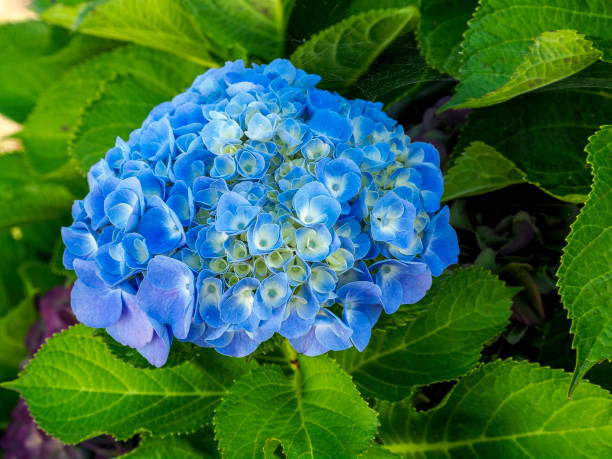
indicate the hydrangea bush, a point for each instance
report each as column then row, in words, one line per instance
column 305, row 228
column 255, row 203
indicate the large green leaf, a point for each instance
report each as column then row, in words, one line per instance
column 343, row 52
column 121, row 108
column 14, row 327
column 167, row 25
column 26, row 197
column 12, row 253
column 463, row 311
column 303, row 23
column 544, row 135
column 359, row 6
column 57, row 115
column 76, row 389
column 257, row 26
column 164, row 448
column 508, row 45
column 317, row 412
column 398, row 73
column 123, row 105
column 479, row 169
column 505, row 409
column 585, row 275
column 32, row 57
column 552, row 57
column 440, row 32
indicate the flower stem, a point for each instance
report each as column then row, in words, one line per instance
column 291, row 355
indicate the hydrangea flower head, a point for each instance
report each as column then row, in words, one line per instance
column 252, row 204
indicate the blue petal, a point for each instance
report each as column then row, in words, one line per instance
column 210, row 290
column 401, row 283
column 210, row 243
column 264, row 236
column 240, row 345
column 157, row 141
column 207, row 191
column 133, row 327
column 342, row 177
column 135, row 249
column 313, row 204
column 224, row 167
column 260, row 128
column 166, row 294
column 157, row 350
column 282, row 68
column 181, row 202
column 273, row 293
column 93, row 303
column 392, row 221
column 331, row 332
column 234, row 213
column 308, row 344
column 361, row 327
column 293, row 326
column 237, row 303
column 332, row 125
column 79, row 240
column 314, row 243
column 161, row 228
column 423, row 152
column 218, row 134
column 441, row 247
column 316, row 149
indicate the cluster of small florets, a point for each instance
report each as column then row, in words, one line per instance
column 252, row 204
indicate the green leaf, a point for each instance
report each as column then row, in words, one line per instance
column 123, row 105
column 166, row 25
column 377, row 451
column 552, row 57
column 15, row 248
column 544, row 135
column 37, row 277
column 463, row 311
column 303, row 23
column 505, row 409
column 317, row 412
column 506, row 40
column 257, row 26
column 585, row 275
column 163, row 448
column 555, row 350
column 14, row 327
column 440, row 32
column 479, row 169
column 32, row 57
column 56, row 117
column 343, row 52
column 27, row 198
column 398, row 73
column 360, row 6
column 76, row 389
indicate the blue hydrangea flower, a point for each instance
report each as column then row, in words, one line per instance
column 253, row 204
